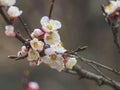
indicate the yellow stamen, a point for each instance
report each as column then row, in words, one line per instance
column 49, row 37
column 49, row 27
column 35, row 44
column 53, row 57
column 108, row 7
column 60, row 44
column 33, row 54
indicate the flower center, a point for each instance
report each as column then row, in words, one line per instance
column 49, row 27
column 35, row 44
column 49, row 37
column 60, row 44
column 53, row 57
column 109, row 6
column 33, row 54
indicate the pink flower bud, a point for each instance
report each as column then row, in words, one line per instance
column 9, row 31
column 32, row 86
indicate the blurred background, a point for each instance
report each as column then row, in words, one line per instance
column 82, row 24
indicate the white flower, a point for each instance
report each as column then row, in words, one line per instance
column 23, row 51
column 54, row 61
column 52, row 38
column 50, row 25
column 111, row 7
column 37, row 33
column 71, row 62
column 33, row 55
column 36, row 45
column 9, row 31
column 14, row 12
column 7, row 2
column 59, row 47
column 32, row 86
column 49, row 51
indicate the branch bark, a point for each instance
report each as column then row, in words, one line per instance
column 98, row 78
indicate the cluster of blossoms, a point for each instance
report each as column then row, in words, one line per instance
column 112, row 11
column 46, row 47
column 13, row 12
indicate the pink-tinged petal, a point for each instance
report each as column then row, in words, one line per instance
column 9, row 31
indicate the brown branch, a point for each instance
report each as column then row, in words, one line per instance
column 4, row 16
column 115, row 36
column 16, row 58
column 87, row 61
column 51, row 8
column 98, row 78
column 78, row 50
column 101, row 73
column 25, row 26
column 18, row 35
column 98, row 64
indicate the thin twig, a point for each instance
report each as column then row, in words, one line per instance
column 4, row 16
column 20, row 37
column 19, row 58
column 98, row 78
column 90, row 61
column 98, row 65
column 78, row 50
column 16, row 58
column 25, row 26
column 51, row 8
column 115, row 35
column 101, row 73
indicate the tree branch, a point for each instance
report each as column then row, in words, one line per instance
column 115, row 36
column 98, row 64
column 25, row 26
column 51, row 8
column 98, row 78
column 4, row 16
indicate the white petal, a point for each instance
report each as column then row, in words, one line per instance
column 56, row 24
column 44, row 20
column 33, row 55
column 70, row 63
column 54, row 38
column 14, row 11
column 46, row 60
column 9, row 27
column 7, row 2
column 39, row 44
column 49, row 51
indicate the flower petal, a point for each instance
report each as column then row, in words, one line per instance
column 44, row 20
column 56, row 24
